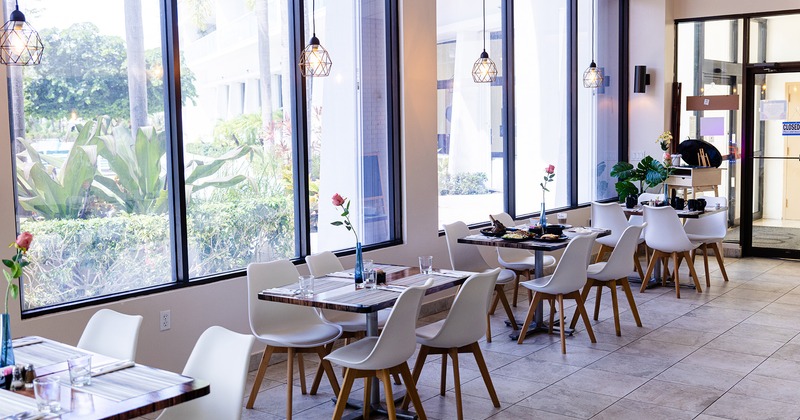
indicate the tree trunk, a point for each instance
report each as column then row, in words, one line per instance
column 264, row 72
column 17, row 96
column 137, row 80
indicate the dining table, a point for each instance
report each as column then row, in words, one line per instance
column 539, row 247
column 119, row 389
column 338, row 291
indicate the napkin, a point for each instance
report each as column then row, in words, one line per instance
column 393, row 288
column 112, row 367
column 281, row 291
column 453, row 273
column 342, row 274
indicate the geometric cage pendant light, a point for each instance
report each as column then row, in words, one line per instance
column 484, row 70
column 20, row 44
column 314, row 60
column 592, row 77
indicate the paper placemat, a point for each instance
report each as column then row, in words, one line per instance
column 12, row 403
column 127, row 383
column 45, row 353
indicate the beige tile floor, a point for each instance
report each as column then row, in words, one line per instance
column 730, row 352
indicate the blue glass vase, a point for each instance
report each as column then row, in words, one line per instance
column 358, row 270
column 543, row 219
column 6, row 349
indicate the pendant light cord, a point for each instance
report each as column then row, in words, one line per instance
column 592, row 30
column 484, row 25
column 314, row 19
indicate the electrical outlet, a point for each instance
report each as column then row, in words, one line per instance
column 637, row 155
column 164, row 320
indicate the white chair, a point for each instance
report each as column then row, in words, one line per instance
column 565, row 282
column 520, row 261
column 459, row 333
column 353, row 325
column 112, row 334
column 642, row 200
column 611, row 216
column 466, row 257
column 612, row 273
column 710, row 231
column 383, row 355
column 285, row 328
column 216, row 347
column 665, row 236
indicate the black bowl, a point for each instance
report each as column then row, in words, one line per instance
column 556, row 229
column 488, row 232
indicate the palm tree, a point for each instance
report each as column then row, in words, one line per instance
column 137, row 75
column 261, row 10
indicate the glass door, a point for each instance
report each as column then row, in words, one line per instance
column 771, row 226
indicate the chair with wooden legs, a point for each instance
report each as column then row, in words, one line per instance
column 520, row 261
column 459, row 333
column 285, row 328
column 354, row 325
column 565, row 282
column 710, row 231
column 611, row 216
column 612, row 273
column 665, row 236
column 383, row 355
column 466, row 257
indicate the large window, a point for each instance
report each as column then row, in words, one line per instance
column 132, row 173
column 495, row 140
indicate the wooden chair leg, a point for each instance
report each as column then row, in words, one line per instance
column 443, row 380
column 301, row 370
column 552, row 303
column 344, row 393
column 509, row 313
column 705, row 263
column 327, row 367
column 720, row 259
column 262, row 369
column 367, row 406
column 561, row 328
column 694, row 276
column 495, row 301
column 487, row 380
column 638, row 265
column 289, row 382
column 396, row 377
column 488, row 328
column 421, row 356
column 615, row 306
column 387, row 387
column 457, row 382
column 597, row 297
column 676, row 276
column 516, row 288
column 584, row 315
column 584, row 294
column 626, row 287
column 601, row 252
column 650, row 267
column 411, row 391
column 529, row 318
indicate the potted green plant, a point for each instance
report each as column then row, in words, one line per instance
column 648, row 171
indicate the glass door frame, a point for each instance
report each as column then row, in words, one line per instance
column 748, row 159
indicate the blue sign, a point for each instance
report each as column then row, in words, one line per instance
column 791, row 128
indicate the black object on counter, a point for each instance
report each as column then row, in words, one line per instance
column 689, row 149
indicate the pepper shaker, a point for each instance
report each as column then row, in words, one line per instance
column 30, row 375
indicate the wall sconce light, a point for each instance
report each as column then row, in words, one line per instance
column 640, row 79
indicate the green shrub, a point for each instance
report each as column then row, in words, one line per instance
column 465, row 183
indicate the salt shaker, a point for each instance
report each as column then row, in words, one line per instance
column 17, row 383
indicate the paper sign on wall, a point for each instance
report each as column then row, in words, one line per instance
column 712, row 126
column 772, row 110
column 791, row 128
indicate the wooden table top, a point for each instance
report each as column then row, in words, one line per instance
column 340, row 293
column 683, row 214
column 112, row 395
column 529, row 244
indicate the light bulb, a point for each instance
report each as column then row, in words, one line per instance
column 17, row 43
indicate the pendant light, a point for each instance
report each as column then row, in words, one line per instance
column 592, row 77
column 484, row 70
column 314, row 60
column 20, row 44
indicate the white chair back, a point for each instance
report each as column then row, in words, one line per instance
column 466, row 321
column 271, row 316
column 397, row 341
column 464, row 257
column 609, row 216
column 216, row 345
column 570, row 274
column 620, row 263
column 112, row 334
column 714, row 225
column 643, row 198
column 323, row 263
column 664, row 230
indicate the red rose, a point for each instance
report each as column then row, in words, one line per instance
column 24, row 240
column 550, row 169
column 337, row 200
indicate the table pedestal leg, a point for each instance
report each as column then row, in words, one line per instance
column 538, row 324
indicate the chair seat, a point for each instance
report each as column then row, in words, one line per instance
column 703, row 238
column 426, row 333
column 506, row 276
column 526, row 263
column 301, row 336
column 353, row 322
column 611, row 241
column 536, row 284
